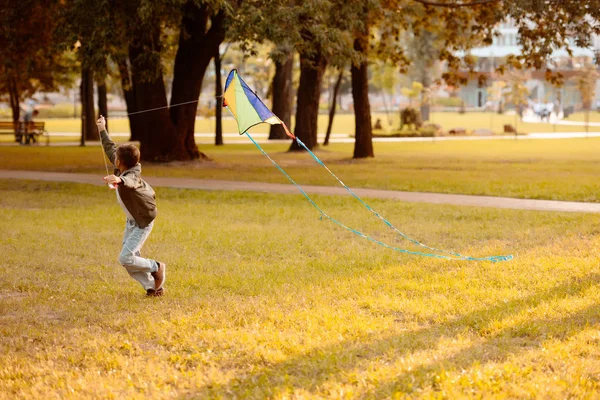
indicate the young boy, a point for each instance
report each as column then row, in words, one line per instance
column 138, row 201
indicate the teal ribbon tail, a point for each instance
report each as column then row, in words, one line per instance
column 446, row 254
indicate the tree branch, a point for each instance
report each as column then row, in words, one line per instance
column 456, row 5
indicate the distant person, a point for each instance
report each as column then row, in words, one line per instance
column 138, row 201
column 378, row 124
column 28, row 127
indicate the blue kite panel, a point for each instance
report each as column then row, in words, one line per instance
column 263, row 112
column 229, row 78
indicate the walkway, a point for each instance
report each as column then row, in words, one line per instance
column 419, row 197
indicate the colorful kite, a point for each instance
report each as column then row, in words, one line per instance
column 245, row 106
column 248, row 111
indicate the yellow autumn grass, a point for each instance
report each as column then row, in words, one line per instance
column 264, row 300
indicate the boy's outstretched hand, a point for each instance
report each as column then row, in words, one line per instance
column 101, row 124
column 112, row 181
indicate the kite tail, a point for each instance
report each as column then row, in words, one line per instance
column 389, row 224
column 451, row 256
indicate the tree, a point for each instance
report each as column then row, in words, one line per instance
column 384, row 78
column 334, row 96
column 136, row 31
column 218, row 100
column 496, row 95
column 423, row 51
column 516, row 93
column 363, row 145
column 29, row 58
column 310, row 28
column 416, row 88
column 88, row 120
column 282, row 93
column 312, row 67
column 586, row 85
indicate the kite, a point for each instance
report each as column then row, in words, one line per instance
column 248, row 110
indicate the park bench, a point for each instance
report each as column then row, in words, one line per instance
column 35, row 130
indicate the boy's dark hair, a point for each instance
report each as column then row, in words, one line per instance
column 129, row 155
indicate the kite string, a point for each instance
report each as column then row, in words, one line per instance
column 160, row 108
column 323, row 214
column 368, row 207
column 169, row 106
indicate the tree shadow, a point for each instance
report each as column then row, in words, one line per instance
column 507, row 339
column 309, row 370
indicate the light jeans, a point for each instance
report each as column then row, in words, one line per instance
column 139, row 268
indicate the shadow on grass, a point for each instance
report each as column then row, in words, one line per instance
column 310, row 370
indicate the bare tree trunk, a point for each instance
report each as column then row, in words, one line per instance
column 129, row 95
column 282, row 96
column 88, row 117
column 197, row 46
column 15, row 96
column 218, row 101
column 102, row 102
column 336, row 90
column 156, row 132
column 309, row 91
column 14, row 99
column 363, row 145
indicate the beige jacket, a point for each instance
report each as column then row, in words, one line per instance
column 137, row 196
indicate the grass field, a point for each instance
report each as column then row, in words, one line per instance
column 536, row 169
column 266, row 300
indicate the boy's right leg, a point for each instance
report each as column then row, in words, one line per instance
column 133, row 239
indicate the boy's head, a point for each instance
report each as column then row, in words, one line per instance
column 128, row 156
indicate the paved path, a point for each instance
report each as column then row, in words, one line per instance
column 419, row 197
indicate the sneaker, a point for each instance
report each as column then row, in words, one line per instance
column 155, row 293
column 160, row 275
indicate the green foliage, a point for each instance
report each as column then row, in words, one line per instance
column 585, row 82
column 30, row 59
column 383, row 76
column 516, row 92
column 410, row 117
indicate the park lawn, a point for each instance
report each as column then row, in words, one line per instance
column 536, row 169
column 265, row 300
column 594, row 116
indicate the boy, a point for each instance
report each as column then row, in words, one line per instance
column 138, row 201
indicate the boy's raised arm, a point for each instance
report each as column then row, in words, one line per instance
column 110, row 149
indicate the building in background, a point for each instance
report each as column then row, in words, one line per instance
column 475, row 93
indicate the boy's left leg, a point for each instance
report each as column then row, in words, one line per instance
column 139, row 268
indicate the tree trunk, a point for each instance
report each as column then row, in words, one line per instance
column 587, row 122
column 102, row 102
column 309, row 91
column 336, row 90
column 197, row 46
column 14, row 95
column 363, row 145
column 282, row 96
column 218, row 101
column 88, row 117
column 155, row 131
column 129, row 95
